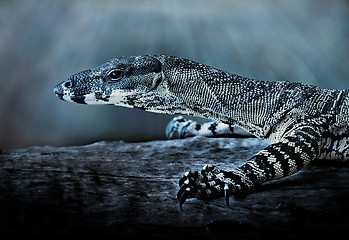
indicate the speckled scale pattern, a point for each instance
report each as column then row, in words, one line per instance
column 302, row 122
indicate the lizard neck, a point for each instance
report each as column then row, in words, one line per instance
column 211, row 93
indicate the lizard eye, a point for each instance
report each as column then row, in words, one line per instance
column 68, row 84
column 115, row 74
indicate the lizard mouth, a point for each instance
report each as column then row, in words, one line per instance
column 60, row 96
column 59, row 92
column 78, row 99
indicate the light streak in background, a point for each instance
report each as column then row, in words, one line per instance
column 43, row 42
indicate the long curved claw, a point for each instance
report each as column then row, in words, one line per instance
column 173, row 126
column 186, row 189
column 226, row 195
column 185, row 195
column 170, row 129
column 182, row 131
column 181, row 190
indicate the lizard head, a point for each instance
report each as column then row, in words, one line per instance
column 124, row 81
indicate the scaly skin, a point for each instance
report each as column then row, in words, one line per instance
column 302, row 122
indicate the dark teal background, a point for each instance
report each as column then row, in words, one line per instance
column 43, row 42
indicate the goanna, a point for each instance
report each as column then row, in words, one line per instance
column 302, row 122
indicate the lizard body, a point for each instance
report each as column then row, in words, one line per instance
column 302, row 122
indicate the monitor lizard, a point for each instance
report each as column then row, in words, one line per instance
column 302, row 122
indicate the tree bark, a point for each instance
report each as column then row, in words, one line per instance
column 117, row 189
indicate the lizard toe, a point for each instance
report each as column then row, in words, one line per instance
column 178, row 125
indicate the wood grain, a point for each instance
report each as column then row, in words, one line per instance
column 117, row 189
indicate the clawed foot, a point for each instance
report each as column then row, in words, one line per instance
column 210, row 183
column 179, row 125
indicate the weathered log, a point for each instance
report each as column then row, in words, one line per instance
column 114, row 189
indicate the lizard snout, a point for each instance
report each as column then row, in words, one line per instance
column 58, row 90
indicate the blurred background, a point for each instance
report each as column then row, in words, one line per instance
column 43, row 42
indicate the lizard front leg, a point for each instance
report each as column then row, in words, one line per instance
column 294, row 151
column 186, row 128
